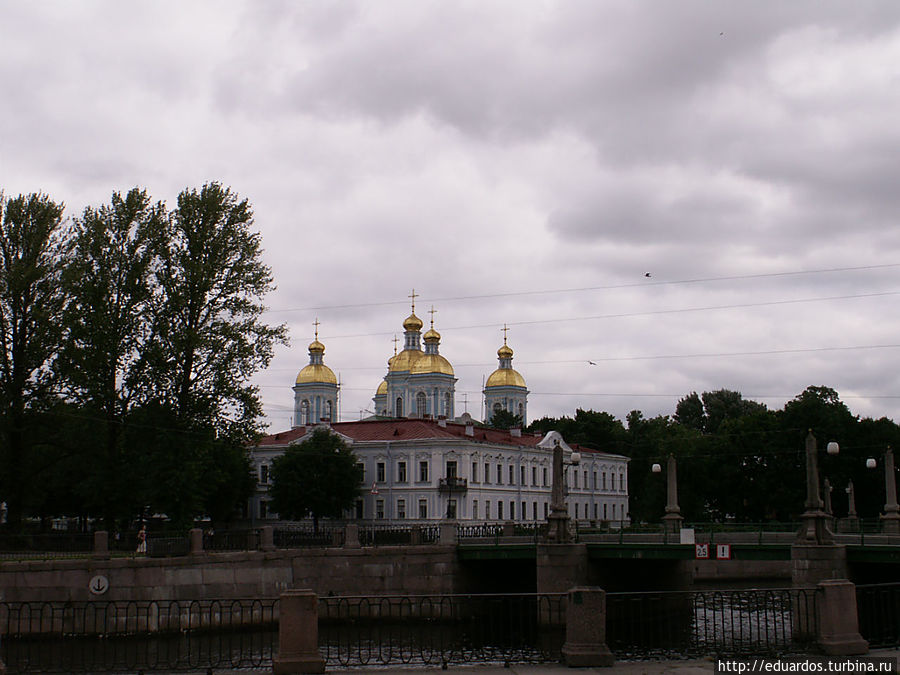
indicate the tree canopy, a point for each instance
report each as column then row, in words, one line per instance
column 128, row 337
column 317, row 478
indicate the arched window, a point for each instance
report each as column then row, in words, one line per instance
column 448, row 408
column 498, row 407
column 328, row 411
column 398, row 410
column 522, row 411
column 304, row 413
column 420, row 404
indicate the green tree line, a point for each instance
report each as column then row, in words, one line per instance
column 128, row 336
column 737, row 459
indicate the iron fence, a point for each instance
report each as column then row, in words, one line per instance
column 231, row 540
column 700, row 623
column 46, row 545
column 306, row 537
column 441, row 629
column 878, row 608
column 128, row 637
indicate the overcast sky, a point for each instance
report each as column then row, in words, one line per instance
column 526, row 163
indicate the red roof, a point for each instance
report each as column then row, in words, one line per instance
column 413, row 429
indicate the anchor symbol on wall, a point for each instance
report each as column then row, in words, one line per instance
column 99, row 585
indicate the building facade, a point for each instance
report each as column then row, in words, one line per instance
column 420, row 462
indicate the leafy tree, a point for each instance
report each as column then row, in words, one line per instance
column 317, row 477
column 504, row 419
column 108, row 284
column 30, row 307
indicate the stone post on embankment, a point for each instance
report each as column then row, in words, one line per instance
column 585, row 644
column 298, row 634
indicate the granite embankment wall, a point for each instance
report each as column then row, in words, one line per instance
column 262, row 574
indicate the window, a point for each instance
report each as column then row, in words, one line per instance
column 401, row 509
column 499, row 474
column 595, row 480
column 512, row 510
column 524, row 512
column 612, row 482
column 545, row 510
column 304, row 413
column 487, row 510
column 576, row 511
column 401, row 472
column 361, row 471
column 584, row 484
column 451, row 469
column 379, row 509
column 420, row 404
column 497, row 407
column 448, row 408
column 423, row 509
column 521, row 475
column 398, row 408
column 545, row 476
column 263, row 509
column 621, row 482
column 328, row 410
column 499, row 510
column 451, row 508
column 595, row 511
column 474, row 509
column 379, row 472
column 534, row 475
column 603, row 484
column 605, row 512
column 263, row 473
column 534, row 510
column 575, row 477
column 522, row 413
column 474, row 472
column 512, row 475
column 423, row 471
column 487, row 473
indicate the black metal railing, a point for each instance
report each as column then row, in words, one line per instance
column 137, row 636
column 231, row 540
column 480, row 530
column 307, row 537
column 878, row 608
column 441, row 629
column 698, row 623
column 45, row 545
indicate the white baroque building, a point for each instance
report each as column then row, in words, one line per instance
column 420, row 464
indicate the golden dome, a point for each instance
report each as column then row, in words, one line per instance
column 316, row 346
column 405, row 360
column 382, row 389
column 505, row 377
column 316, row 372
column 505, row 352
column 432, row 335
column 413, row 322
column 431, row 363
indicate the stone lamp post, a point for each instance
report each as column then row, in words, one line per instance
column 558, row 520
column 673, row 518
column 891, row 517
column 815, row 528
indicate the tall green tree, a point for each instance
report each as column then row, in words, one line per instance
column 208, row 336
column 315, row 478
column 504, row 419
column 109, row 287
column 31, row 300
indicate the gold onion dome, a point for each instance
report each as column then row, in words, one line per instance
column 382, row 389
column 413, row 322
column 505, row 352
column 431, row 363
column 316, row 346
column 505, row 377
column 405, row 360
column 316, row 372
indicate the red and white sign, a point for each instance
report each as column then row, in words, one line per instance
column 723, row 551
column 701, row 551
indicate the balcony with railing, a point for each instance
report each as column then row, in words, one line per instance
column 452, row 484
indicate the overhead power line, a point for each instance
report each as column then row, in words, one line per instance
column 582, row 289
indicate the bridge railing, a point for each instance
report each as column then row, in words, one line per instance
column 878, row 607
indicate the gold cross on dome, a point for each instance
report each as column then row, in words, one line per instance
column 396, row 340
column 432, row 311
column 413, row 295
column 504, row 330
column 316, row 324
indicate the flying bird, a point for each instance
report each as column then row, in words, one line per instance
column 592, row 363
column 647, row 274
